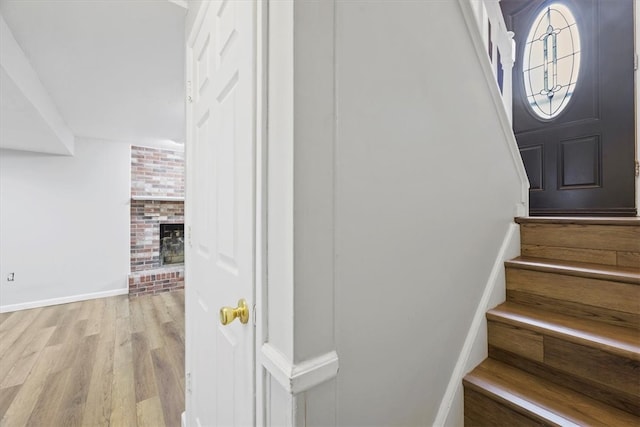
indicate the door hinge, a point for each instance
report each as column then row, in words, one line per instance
column 189, row 382
column 189, row 235
column 637, row 168
column 635, row 61
column 189, row 96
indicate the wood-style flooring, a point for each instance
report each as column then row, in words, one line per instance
column 115, row 361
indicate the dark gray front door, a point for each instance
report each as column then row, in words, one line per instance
column 573, row 104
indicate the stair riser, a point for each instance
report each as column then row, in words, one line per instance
column 482, row 411
column 605, row 376
column 596, row 256
column 603, row 300
column 625, row 403
column 609, row 239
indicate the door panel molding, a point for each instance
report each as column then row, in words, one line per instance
column 580, row 166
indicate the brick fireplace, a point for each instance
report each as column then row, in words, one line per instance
column 157, row 221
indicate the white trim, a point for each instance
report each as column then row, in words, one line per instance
column 191, row 38
column 187, row 224
column 62, row 300
column 476, row 38
column 260, row 291
column 459, row 371
column 183, row 419
column 297, row 378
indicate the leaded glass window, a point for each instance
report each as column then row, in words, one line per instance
column 551, row 61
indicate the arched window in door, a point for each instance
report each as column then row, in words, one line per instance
column 551, row 61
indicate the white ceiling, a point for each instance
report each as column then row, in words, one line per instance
column 113, row 68
column 21, row 125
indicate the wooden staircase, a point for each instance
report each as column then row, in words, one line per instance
column 564, row 349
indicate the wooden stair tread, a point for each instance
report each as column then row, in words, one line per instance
column 542, row 400
column 617, row 340
column 579, row 220
column 580, row 269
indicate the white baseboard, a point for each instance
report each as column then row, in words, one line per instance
column 510, row 244
column 62, row 300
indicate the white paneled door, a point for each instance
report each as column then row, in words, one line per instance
column 221, row 214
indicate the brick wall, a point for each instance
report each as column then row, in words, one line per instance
column 153, row 282
column 155, row 173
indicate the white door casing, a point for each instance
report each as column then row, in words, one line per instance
column 220, row 213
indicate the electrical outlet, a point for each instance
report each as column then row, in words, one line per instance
column 11, row 277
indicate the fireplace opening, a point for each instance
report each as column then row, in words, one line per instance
column 171, row 244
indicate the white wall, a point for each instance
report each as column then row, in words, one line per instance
column 426, row 189
column 64, row 223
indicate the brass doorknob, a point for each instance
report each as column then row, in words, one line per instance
column 229, row 314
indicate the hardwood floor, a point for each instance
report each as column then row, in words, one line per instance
column 111, row 361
